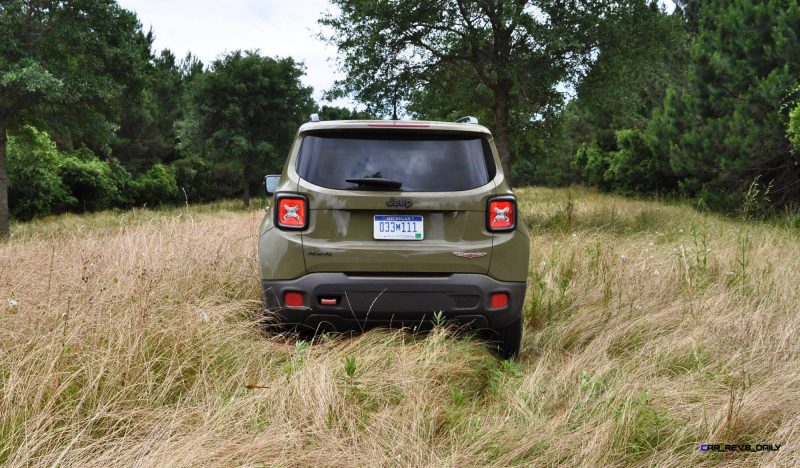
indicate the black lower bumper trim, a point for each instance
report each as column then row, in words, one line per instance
column 325, row 323
column 346, row 301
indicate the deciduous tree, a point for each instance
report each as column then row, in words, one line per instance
column 519, row 51
column 244, row 112
column 63, row 66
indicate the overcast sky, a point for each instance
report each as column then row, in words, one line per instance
column 210, row 28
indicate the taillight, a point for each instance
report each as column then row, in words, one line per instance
column 499, row 300
column 291, row 211
column 501, row 214
column 293, row 299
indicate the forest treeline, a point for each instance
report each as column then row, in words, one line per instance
column 698, row 101
column 709, row 110
column 92, row 117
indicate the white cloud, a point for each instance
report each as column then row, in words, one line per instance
column 210, row 28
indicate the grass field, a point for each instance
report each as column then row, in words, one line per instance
column 129, row 338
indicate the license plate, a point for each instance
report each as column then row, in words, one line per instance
column 397, row 227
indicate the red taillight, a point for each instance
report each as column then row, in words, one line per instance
column 293, row 299
column 499, row 300
column 291, row 212
column 501, row 214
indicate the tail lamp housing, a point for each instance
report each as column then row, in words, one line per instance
column 501, row 214
column 291, row 211
column 293, row 299
column 499, row 300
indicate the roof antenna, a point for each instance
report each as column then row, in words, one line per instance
column 394, row 103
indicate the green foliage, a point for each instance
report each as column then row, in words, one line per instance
column 89, row 180
column 122, row 181
column 147, row 123
column 438, row 318
column 377, row 41
column 156, row 186
column 642, row 54
column 350, row 367
column 35, row 187
column 793, row 130
column 725, row 123
column 244, row 111
column 643, row 427
column 703, row 110
column 524, row 171
column 193, row 176
column 593, row 164
column 45, row 181
column 701, row 102
column 544, row 153
column 225, row 134
column 67, row 67
column 468, row 57
column 340, row 113
column 636, row 167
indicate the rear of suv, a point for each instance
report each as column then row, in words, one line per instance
column 395, row 223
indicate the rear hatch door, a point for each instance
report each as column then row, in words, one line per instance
column 361, row 221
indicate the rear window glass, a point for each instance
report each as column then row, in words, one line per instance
column 422, row 163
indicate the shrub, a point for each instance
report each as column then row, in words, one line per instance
column 193, row 178
column 156, row 187
column 716, row 200
column 636, row 168
column 89, row 180
column 124, row 196
column 592, row 162
column 35, row 187
column 793, row 130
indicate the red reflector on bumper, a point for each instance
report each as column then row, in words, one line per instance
column 499, row 300
column 328, row 301
column 293, row 299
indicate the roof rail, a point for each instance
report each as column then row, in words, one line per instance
column 315, row 117
column 468, row 119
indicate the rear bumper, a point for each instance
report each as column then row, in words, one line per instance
column 363, row 301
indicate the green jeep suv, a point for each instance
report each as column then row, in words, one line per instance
column 395, row 223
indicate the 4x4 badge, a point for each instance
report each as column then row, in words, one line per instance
column 469, row 254
column 399, row 203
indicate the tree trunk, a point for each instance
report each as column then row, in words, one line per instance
column 246, row 187
column 502, row 132
column 5, row 228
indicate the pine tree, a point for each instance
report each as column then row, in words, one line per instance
column 727, row 126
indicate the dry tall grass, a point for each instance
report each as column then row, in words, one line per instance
column 129, row 339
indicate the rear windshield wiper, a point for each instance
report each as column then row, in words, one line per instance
column 376, row 182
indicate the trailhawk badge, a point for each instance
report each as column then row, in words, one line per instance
column 469, row 254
